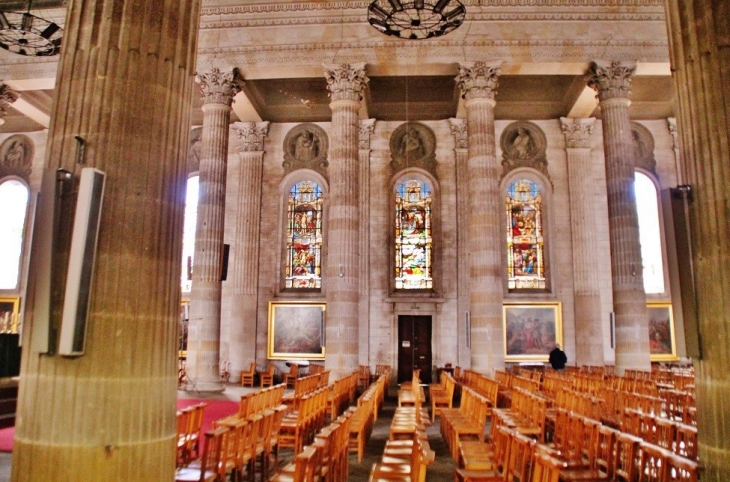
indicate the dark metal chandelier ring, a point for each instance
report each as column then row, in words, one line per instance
column 416, row 19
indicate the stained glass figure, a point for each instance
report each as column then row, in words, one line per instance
column 413, row 243
column 525, row 243
column 304, row 236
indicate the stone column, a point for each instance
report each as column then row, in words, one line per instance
column 124, row 85
column 587, row 295
column 245, row 247
column 367, row 127
column 478, row 83
column 218, row 89
column 458, row 130
column 699, row 41
column 612, row 81
column 7, row 97
column 342, row 277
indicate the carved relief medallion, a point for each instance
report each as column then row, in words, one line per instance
column 16, row 156
column 523, row 145
column 195, row 151
column 305, row 146
column 413, row 145
column 642, row 143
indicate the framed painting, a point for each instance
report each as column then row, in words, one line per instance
column 662, row 344
column 296, row 330
column 9, row 314
column 531, row 330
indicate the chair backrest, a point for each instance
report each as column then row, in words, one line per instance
column 520, row 458
column 625, row 457
column 680, row 469
column 546, row 468
column 652, row 463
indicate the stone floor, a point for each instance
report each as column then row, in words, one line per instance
column 442, row 469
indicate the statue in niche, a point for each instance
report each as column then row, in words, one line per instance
column 306, row 146
column 637, row 146
column 523, row 145
column 411, row 145
column 16, row 153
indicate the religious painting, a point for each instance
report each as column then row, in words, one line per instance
column 662, row 345
column 524, row 234
column 9, row 315
column 531, row 330
column 413, row 242
column 296, row 330
column 304, row 237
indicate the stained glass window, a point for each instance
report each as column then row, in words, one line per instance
column 647, row 208
column 413, row 241
column 304, row 236
column 14, row 199
column 525, row 255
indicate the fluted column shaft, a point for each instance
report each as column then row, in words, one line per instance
column 699, row 40
column 478, row 82
column 587, row 296
column 203, row 362
column 345, row 83
column 612, row 82
column 367, row 127
column 124, row 86
column 245, row 247
column 459, row 131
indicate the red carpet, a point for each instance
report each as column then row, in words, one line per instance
column 216, row 409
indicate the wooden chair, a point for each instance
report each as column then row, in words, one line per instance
column 291, row 376
column 248, row 376
column 207, row 471
column 442, row 395
column 306, row 463
column 546, row 468
column 182, row 437
column 267, row 377
column 625, row 455
column 680, row 469
column 652, row 463
column 194, row 431
column 363, row 376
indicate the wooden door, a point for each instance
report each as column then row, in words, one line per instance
column 414, row 347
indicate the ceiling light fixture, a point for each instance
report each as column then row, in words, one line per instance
column 416, row 19
column 26, row 34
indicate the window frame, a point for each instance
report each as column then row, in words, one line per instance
column 26, row 231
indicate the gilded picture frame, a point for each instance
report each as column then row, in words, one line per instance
column 296, row 330
column 662, row 342
column 531, row 330
column 9, row 306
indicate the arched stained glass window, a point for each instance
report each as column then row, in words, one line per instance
column 413, row 242
column 525, row 243
column 647, row 208
column 304, row 236
column 189, row 227
column 14, row 199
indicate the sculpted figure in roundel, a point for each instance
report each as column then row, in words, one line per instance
column 306, row 146
column 523, row 145
column 411, row 145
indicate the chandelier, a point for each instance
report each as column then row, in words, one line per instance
column 416, row 19
column 26, row 34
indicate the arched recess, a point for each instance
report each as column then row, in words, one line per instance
column 15, row 199
column 526, row 228
column 303, row 235
column 651, row 234
column 415, row 234
column 189, row 227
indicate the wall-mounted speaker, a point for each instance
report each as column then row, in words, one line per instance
column 81, row 262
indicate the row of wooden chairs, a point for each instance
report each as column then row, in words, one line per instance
column 411, row 394
column 467, row 421
column 527, row 414
column 483, row 385
column 266, row 378
column 674, row 436
column 189, row 432
column 299, row 426
column 363, row 417
column 339, row 395
column 404, row 460
column 441, row 394
column 303, row 386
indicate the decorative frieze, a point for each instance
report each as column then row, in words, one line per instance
column 611, row 79
column 478, row 79
column 577, row 132
column 219, row 87
column 367, row 127
column 252, row 135
column 458, row 130
column 346, row 81
column 523, row 145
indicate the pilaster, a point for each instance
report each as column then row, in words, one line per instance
column 367, row 127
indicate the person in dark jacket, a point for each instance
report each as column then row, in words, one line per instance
column 558, row 358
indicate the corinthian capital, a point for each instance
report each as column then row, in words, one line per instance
column 577, row 131
column 458, row 130
column 252, row 134
column 478, row 80
column 219, row 87
column 367, row 127
column 346, row 81
column 611, row 79
column 7, row 97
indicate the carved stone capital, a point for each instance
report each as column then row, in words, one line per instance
column 458, row 130
column 7, row 97
column 367, row 127
column 252, row 134
column 346, row 81
column 219, row 87
column 478, row 80
column 611, row 79
column 577, row 131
